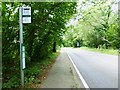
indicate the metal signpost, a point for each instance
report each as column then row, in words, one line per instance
column 24, row 17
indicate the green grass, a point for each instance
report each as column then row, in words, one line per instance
column 106, row 51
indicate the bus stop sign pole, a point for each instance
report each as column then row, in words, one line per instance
column 21, row 43
column 24, row 17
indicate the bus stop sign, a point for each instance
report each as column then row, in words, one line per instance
column 26, row 14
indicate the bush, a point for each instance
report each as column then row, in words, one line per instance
column 13, row 82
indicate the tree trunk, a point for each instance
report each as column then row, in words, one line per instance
column 54, row 46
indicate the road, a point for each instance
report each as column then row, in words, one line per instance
column 98, row 70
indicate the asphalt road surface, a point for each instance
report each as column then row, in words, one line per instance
column 99, row 70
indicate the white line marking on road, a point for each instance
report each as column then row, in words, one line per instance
column 79, row 74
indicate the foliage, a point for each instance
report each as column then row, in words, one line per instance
column 35, row 70
column 12, row 83
column 95, row 25
column 47, row 27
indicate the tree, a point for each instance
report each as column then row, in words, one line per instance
column 40, row 37
column 96, row 24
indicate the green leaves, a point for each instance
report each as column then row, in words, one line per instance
column 47, row 27
column 96, row 25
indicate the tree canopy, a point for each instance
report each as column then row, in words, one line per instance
column 96, row 25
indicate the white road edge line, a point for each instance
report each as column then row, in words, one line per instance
column 79, row 74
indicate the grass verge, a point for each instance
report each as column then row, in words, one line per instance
column 106, row 51
column 37, row 73
column 34, row 73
